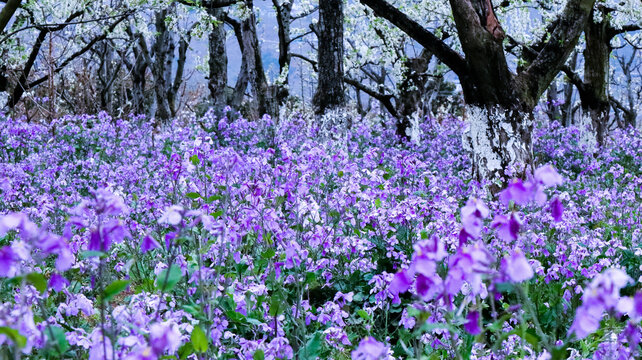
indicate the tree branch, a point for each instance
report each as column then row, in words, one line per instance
column 612, row 32
column 78, row 53
column 417, row 32
column 7, row 13
column 553, row 55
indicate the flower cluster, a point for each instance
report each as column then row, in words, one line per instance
column 235, row 239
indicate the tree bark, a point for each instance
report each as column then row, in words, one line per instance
column 262, row 93
column 500, row 103
column 330, row 92
column 242, row 80
column 552, row 106
column 593, row 95
column 7, row 13
column 411, row 90
column 283, row 20
column 163, row 52
column 217, row 62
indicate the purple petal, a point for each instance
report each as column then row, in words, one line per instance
column 58, row 282
column 557, row 209
column 517, row 192
column 548, row 176
column 472, row 323
column 149, row 243
column 6, row 260
column 400, row 283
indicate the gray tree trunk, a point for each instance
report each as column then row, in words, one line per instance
column 217, row 62
column 163, row 52
column 330, row 92
column 261, row 92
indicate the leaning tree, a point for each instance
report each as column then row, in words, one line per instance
column 500, row 101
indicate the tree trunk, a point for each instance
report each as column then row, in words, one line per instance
column 567, row 108
column 106, row 76
column 163, row 50
column 595, row 101
column 183, row 45
column 500, row 142
column 411, row 90
column 552, row 106
column 330, row 91
column 264, row 98
column 138, row 70
column 283, row 20
column 217, row 62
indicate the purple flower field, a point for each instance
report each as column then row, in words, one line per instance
column 236, row 239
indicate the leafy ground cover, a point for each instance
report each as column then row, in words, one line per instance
column 229, row 239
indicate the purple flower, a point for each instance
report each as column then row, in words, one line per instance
column 548, row 176
column 507, row 226
column 516, row 267
column 517, row 192
column 432, row 248
column 602, row 294
column 557, row 209
column 148, row 243
column 428, row 287
column 476, row 208
column 7, row 259
column 341, row 298
column 58, row 282
column 100, row 348
column 472, row 215
column 107, row 203
column 400, row 284
column 587, row 321
column 637, row 304
column 142, row 353
column 472, row 323
column 164, row 337
column 370, row 349
column 469, row 264
column 110, row 232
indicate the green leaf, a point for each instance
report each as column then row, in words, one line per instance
column 193, row 195
column 276, row 305
column 58, row 337
column 14, row 335
column 254, row 321
column 213, row 198
column 114, row 289
column 185, row 351
column 91, row 253
column 268, row 253
column 377, row 203
column 259, row 355
column 195, row 160
column 199, row 340
column 38, row 281
column 310, row 277
column 312, row 347
column 364, row 315
column 165, row 281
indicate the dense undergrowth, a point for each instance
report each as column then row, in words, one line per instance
column 228, row 239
